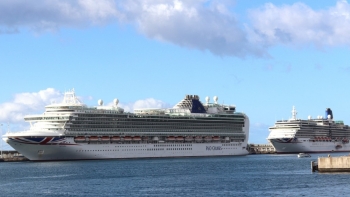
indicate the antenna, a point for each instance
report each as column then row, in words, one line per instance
column 294, row 114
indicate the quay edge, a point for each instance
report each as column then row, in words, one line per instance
column 331, row 164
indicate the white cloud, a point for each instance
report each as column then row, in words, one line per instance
column 150, row 103
column 27, row 103
column 146, row 103
column 206, row 25
column 22, row 104
column 196, row 24
column 50, row 15
column 298, row 24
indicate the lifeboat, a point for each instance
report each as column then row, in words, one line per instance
column 179, row 138
column 188, row 138
column 136, row 138
column 338, row 146
column 145, row 138
column 345, row 141
column 105, row 138
column 216, row 138
column 198, row 138
column 208, row 138
column 127, row 138
column 115, row 138
column 155, row 138
column 80, row 139
column 93, row 139
column 170, row 138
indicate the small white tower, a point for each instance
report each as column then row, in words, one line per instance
column 100, row 102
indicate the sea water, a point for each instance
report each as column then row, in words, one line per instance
column 252, row 175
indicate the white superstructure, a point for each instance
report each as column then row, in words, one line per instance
column 311, row 135
column 70, row 130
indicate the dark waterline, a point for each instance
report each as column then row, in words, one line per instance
column 252, row 175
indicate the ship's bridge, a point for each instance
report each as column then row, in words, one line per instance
column 71, row 103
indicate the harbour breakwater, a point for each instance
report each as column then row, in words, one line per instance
column 331, row 164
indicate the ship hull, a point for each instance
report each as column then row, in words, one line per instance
column 69, row 150
column 308, row 146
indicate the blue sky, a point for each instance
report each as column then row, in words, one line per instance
column 262, row 56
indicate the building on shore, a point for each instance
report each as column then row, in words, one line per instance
column 11, row 155
column 261, row 149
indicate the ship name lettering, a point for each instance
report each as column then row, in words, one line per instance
column 213, row 148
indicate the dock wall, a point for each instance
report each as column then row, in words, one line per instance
column 334, row 164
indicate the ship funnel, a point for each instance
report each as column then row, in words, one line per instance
column 329, row 113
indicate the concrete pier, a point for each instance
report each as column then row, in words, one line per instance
column 332, row 164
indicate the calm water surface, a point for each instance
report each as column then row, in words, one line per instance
column 253, row 175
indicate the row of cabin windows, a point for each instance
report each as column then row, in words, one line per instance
column 148, row 149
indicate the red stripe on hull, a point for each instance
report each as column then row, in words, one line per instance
column 46, row 140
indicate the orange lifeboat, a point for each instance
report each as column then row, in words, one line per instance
column 179, row 138
column 171, row 138
column 79, row 139
column 127, row 138
column 136, row 138
column 189, row 138
column 93, row 139
column 208, row 138
column 199, row 138
column 115, row 138
column 216, row 138
column 145, row 138
column 105, row 138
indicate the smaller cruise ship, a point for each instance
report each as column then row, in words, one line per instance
column 321, row 134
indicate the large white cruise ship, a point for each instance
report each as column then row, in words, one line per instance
column 311, row 135
column 72, row 131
